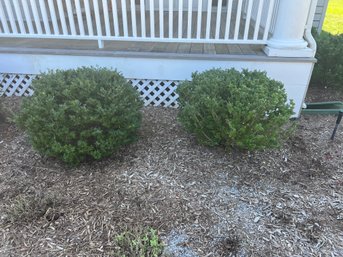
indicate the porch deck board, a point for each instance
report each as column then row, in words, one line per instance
column 153, row 47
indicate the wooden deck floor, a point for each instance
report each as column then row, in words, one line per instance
column 119, row 46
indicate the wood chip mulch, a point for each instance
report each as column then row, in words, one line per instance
column 203, row 201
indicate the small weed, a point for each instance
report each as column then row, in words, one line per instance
column 138, row 243
column 310, row 229
column 26, row 208
column 230, row 245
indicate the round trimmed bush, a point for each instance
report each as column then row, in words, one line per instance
column 245, row 110
column 79, row 115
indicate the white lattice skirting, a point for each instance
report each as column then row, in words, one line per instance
column 16, row 84
column 157, row 92
column 153, row 92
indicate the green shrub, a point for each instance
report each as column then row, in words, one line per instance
column 328, row 71
column 140, row 243
column 81, row 114
column 245, row 109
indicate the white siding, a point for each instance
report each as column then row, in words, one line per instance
column 320, row 14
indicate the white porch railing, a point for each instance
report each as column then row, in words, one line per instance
column 187, row 21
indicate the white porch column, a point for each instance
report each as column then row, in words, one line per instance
column 288, row 37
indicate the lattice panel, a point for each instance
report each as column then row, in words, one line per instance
column 153, row 92
column 157, row 92
column 16, row 84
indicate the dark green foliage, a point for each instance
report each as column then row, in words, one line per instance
column 328, row 71
column 245, row 109
column 138, row 243
column 81, row 114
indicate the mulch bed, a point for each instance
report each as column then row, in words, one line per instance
column 203, row 201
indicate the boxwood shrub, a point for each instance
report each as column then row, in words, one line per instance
column 82, row 114
column 244, row 110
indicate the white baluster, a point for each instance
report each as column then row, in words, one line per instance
column 106, row 17
column 189, row 24
column 218, row 21
column 228, row 20
column 143, row 25
column 115, row 17
column 247, row 20
column 97, row 19
column 19, row 17
column 161, row 12
column 36, row 16
column 238, row 19
column 124, row 14
column 71, row 17
column 152, row 18
column 45, row 17
column 209, row 17
column 171, row 18
column 53, row 17
column 3, row 19
column 133, row 18
column 199, row 21
column 11, row 17
column 269, row 19
column 79, row 17
column 62, row 17
column 258, row 19
column 89, row 18
column 180, row 19
column 28, row 17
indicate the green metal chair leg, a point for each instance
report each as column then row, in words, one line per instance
column 338, row 121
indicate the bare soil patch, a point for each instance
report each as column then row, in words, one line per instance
column 203, row 201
